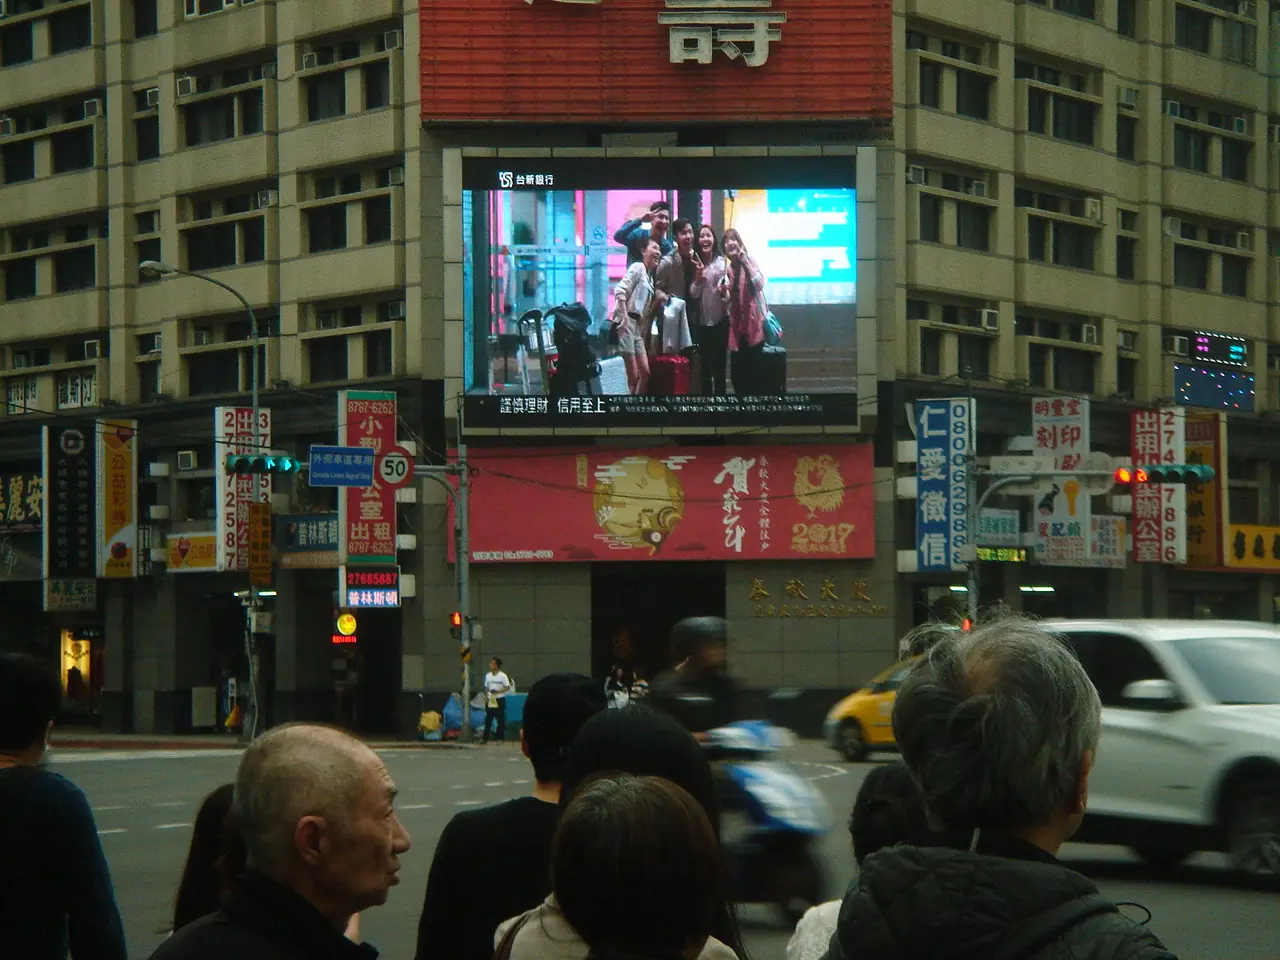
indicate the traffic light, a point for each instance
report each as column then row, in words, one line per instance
column 261, row 463
column 1166, row 473
column 455, row 625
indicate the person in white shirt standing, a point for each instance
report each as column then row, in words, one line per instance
column 496, row 687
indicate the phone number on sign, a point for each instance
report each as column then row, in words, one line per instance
column 512, row 555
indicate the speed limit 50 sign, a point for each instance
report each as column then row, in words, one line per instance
column 395, row 467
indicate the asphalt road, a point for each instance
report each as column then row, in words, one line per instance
column 145, row 802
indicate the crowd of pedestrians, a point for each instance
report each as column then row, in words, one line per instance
column 616, row 853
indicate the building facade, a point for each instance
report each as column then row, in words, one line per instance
column 998, row 200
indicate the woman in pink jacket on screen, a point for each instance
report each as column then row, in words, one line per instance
column 747, row 311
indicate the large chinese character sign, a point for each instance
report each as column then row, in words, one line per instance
column 945, row 442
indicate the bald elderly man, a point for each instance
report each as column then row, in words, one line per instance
column 316, row 807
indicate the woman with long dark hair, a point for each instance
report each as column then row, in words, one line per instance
column 747, row 312
column 214, row 861
column 642, row 742
column 661, row 905
column 711, row 291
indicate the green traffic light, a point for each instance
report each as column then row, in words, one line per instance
column 1180, row 473
column 243, row 464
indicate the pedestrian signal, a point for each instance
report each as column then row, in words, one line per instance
column 455, row 625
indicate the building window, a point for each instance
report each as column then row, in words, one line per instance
column 1126, row 138
column 1126, row 377
column 213, row 373
column 1126, row 258
column 17, row 44
column 1190, row 148
column 1061, row 243
column 327, row 228
column 1235, row 159
column 931, row 352
column 377, row 220
column 377, row 85
column 1038, row 364
column 210, row 121
column 1193, row 29
column 1073, row 119
column 377, row 353
column 1190, row 267
column 148, row 250
column 930, row 83
column 146, row 131
column 251, row 117
column 19, row 161
column 973, row 226
column 20, row 278
column 77, row 388
column 973, row 94
column 74, row 269
column 148, row 381
column 1126, row 18
column 1235, row 276
column 1077, row 8
column 73, row 150
column 253, row 240
column 1073, row 370
column 22, row 395
column 209, row 248
column 70, row 30
column 1239, row 42
column 930, row 218
column 328, row 357
column 327, row 96
column 145, row 21
column 975, row 357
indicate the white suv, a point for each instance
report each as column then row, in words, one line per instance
column 1190, row 752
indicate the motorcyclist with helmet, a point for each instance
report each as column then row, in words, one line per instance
column 698, row 691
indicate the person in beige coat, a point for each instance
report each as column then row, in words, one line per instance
column 660, row 904
column 641, row 742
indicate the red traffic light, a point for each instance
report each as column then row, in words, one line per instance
column 966, row 624
column 455, row 619
column 1130, row 475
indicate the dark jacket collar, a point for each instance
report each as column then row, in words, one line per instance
column 276, row 912
column 992, row 843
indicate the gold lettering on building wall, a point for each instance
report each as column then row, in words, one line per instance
column 859, row 602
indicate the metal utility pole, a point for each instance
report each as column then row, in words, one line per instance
column 461, row 497
column 157, row 269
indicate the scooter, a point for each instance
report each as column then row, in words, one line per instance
column 772, row 818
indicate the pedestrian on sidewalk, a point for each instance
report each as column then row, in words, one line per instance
column 316, row 809
column 55, row 889
column 466, row 896
column 496, row 687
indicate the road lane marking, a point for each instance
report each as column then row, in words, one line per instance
column 519, row 781
column 171, row 826
column 832, row 771
column 171, row 803
column 413, row 806
column 467, row 803
column 496, row 783
column 117, row 806
column 103, row 833
column 458, row 786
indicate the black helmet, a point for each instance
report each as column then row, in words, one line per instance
column 694, row 633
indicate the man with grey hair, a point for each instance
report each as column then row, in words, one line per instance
column 316, row 809
column 999, row 727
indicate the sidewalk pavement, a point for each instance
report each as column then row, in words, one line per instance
column 73, row 738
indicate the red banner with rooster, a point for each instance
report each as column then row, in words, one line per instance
column 673, row 503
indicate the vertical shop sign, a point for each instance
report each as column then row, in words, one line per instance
column 117, row 499
column 1060, row 426
column 233, row 434
column 1159, row 509
column 944, row 446
column 367, row 515
column 260, row 544
column 70, row 555
column 1206, row 502
column 1106, row 543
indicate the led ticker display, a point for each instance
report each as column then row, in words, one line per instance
column 1214, row 388
column 1218, row 348
column 1001, row 554
column 369, row 587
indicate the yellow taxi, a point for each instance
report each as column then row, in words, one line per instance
column 863, row 721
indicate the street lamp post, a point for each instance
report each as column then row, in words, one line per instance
column 155, row 268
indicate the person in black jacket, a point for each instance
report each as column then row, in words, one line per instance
column 55, row 890
column 999, row 728
column 316, row 809
column 468, row 893
column 699, row 692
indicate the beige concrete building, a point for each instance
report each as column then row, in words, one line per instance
column 1087, row 183
column 273, row 144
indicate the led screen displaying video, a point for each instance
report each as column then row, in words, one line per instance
column 652, row 291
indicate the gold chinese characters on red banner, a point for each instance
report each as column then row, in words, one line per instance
column 829, row 598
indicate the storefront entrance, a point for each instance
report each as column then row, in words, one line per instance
column 635, row 605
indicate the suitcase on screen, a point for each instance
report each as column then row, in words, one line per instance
column 772, row 378
column 669, row 376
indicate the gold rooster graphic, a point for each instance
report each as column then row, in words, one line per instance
column 827, row 494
